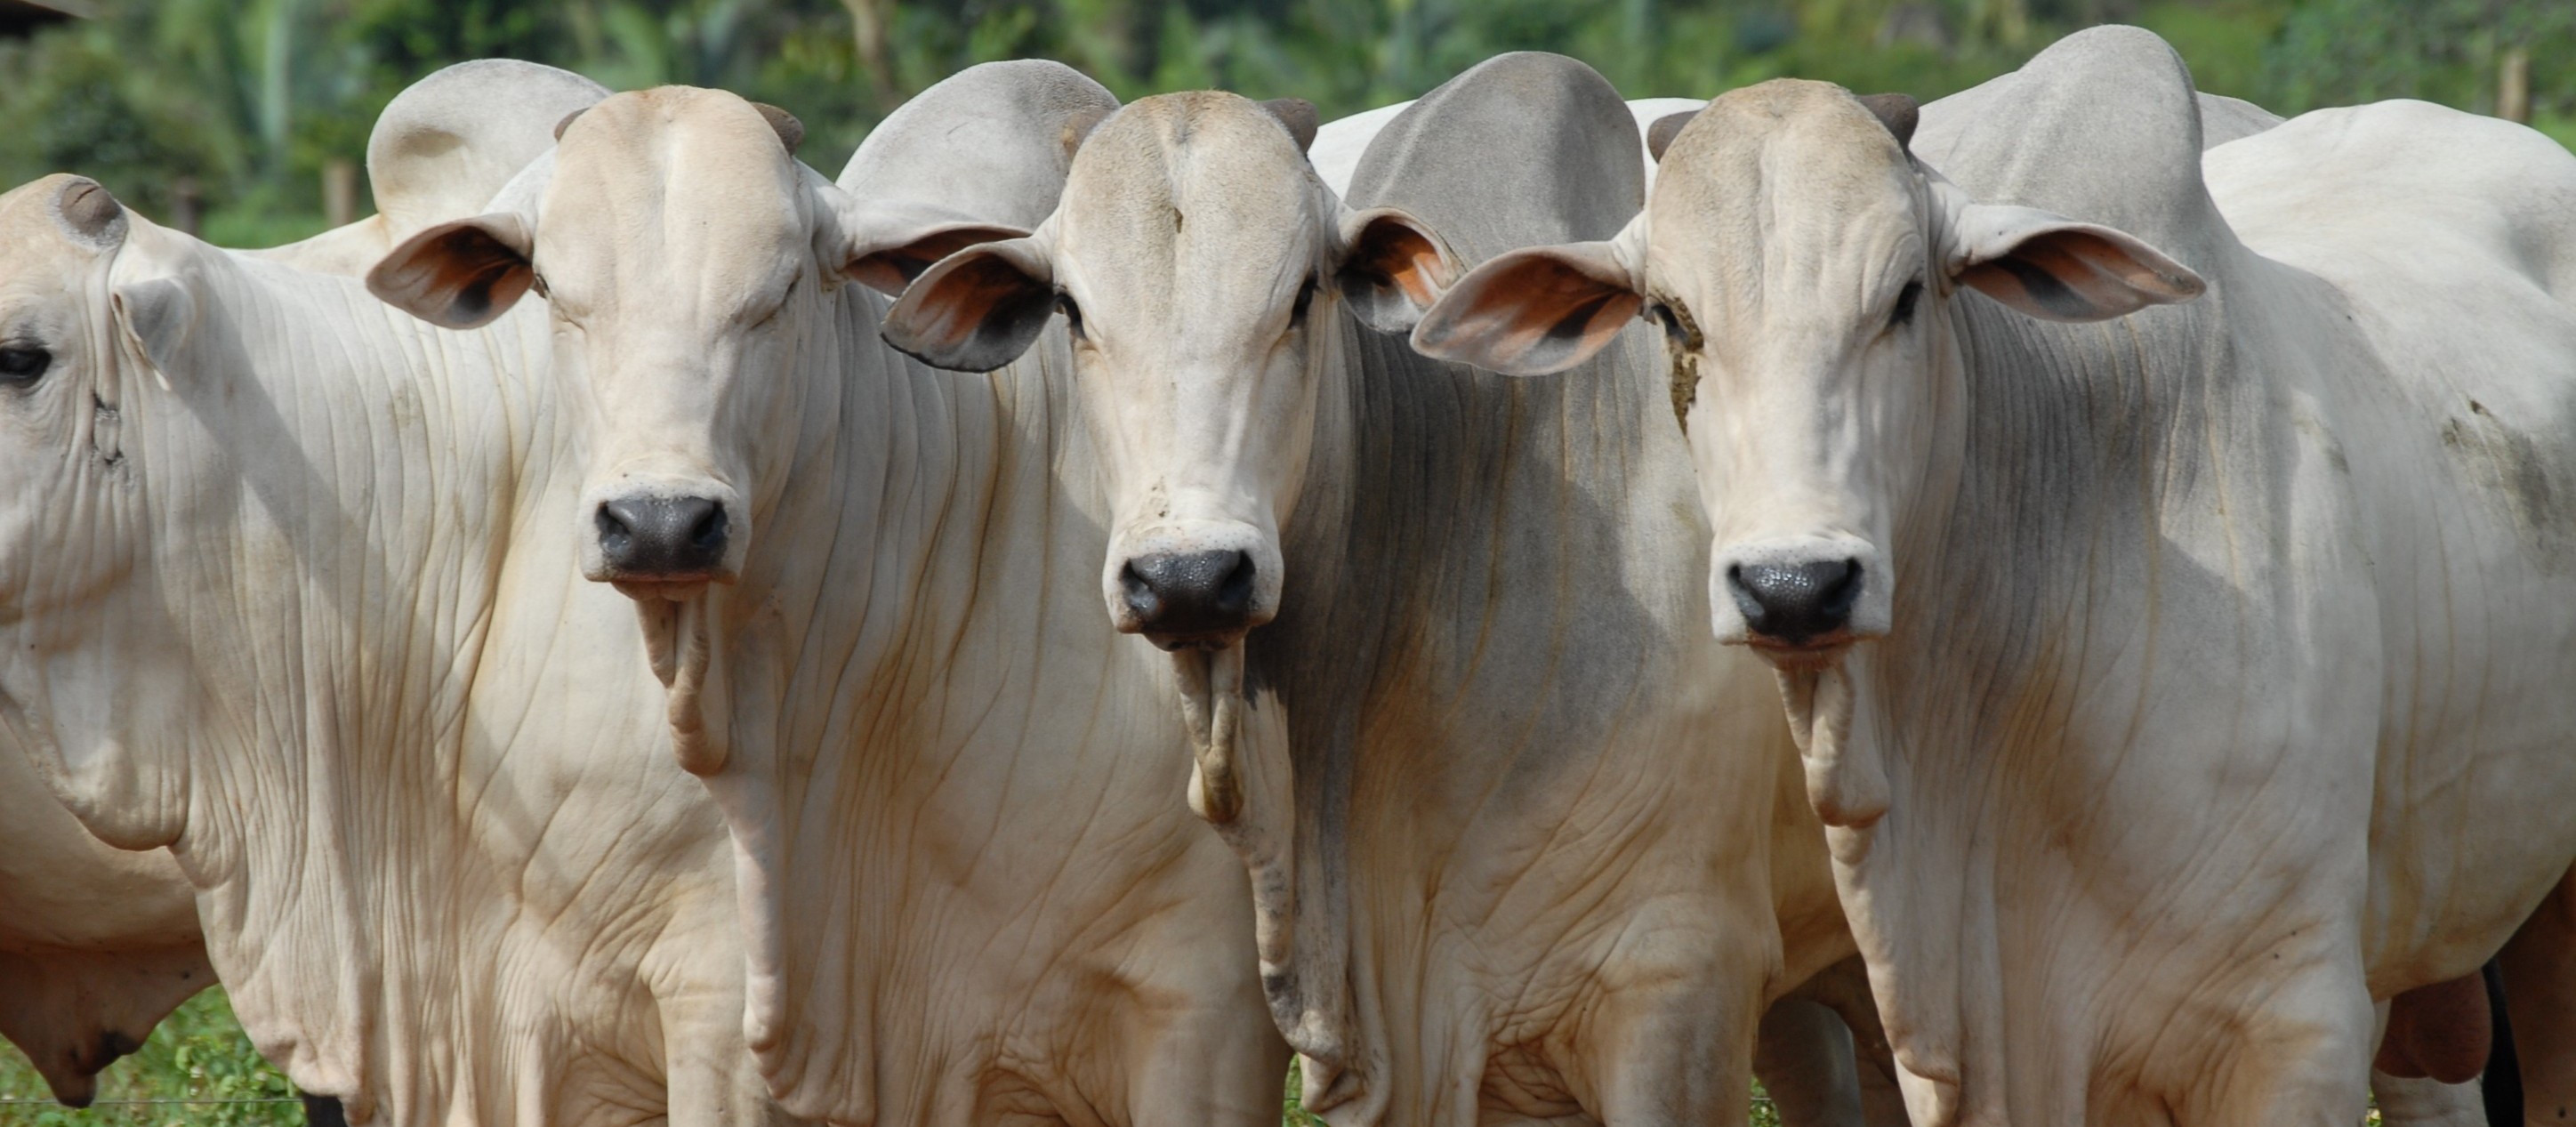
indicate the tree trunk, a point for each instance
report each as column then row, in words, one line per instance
column 868, row 20
column 2513, row 86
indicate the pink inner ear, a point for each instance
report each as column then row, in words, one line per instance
column 888, row 271
column 1534, row 315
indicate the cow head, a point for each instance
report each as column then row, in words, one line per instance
column 1804, row 269
column 684, row 252
column 96, row 314
column 1199, row 263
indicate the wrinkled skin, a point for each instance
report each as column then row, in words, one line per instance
column 445, row 870
column 1509, row 814
column 97, row 945
column 2198, row 690
column 972, row 894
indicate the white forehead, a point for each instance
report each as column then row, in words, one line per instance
column 1183, row 199
column 674, row 180
column 1775, row 183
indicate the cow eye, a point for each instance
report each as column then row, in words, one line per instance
column 1072, row 313
column 1676, row 333
column 1305, row 298
column 1905, row 299
column 23, row 364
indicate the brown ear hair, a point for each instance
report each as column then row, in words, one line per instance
column 2059, row 269
column 977, row 310
column 459, row 275
column 1392, row 268
column 1532, row 312
column 1298, row 115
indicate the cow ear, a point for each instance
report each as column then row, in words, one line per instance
column 1392, row 268
column 157, row 316
column 459, row 275
column 1533, row 312
column 889, row 261
column 977, row 309
column 2057, row 269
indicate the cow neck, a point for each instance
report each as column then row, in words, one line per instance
column 357, row 802
column 919, row 608
column 1441, row 504
column 2053, row 441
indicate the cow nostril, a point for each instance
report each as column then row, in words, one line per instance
column 1795, row 602
column 1138, row 592
column 1234, row 595
column 613, row 530
column 709, row 531
column 1840, row 592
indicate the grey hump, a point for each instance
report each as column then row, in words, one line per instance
column 2103, row 126
column 447, row 143
column 992, row 142
column 1522, row 149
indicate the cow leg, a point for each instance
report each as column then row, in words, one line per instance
column 1653, row 1059
column 2501, row 1087
column 708, row 1073
column 2301, row 1058
column 2539, row 971
column 1216, row 1068
column 1804, row 1060
column 1844, row 989
column 2425, row 1102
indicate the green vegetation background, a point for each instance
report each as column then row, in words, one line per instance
column 249, row 99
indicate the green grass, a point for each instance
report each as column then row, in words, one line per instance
column 198, row 1053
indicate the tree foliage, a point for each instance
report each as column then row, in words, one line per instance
column 250, row 98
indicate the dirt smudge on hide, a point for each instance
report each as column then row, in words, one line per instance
column 2505, row 463
column 1685, row 362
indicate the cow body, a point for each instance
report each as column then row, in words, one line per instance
column 973, row 894
column 1510, row 817
column 97, row 945
column 440, row 865
column 2158, row 678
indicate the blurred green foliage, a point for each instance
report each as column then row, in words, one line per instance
column 249, row 98
column 197, row 1053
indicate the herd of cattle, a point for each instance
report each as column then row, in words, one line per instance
column 2056, row 606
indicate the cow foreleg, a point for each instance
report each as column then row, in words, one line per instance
column 1218, row 1067
column 2539, row 972
column 2303, row 1058
column 1804, row 1060
column 2425, row 1102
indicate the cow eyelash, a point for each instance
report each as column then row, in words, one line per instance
column 21, row 365
column 1903, row 314
column 1064, row 303
column 1678, row 334
column 1305, row 298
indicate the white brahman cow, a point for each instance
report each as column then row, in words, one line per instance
column 973, row 894
column 1525, row 844
column 2173, row 681
column 282, row 589
column 96, row 944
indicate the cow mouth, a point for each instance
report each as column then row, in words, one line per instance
column 1203, row 642
column 1809, row 655
column 665, row 590
column 1211, row 683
